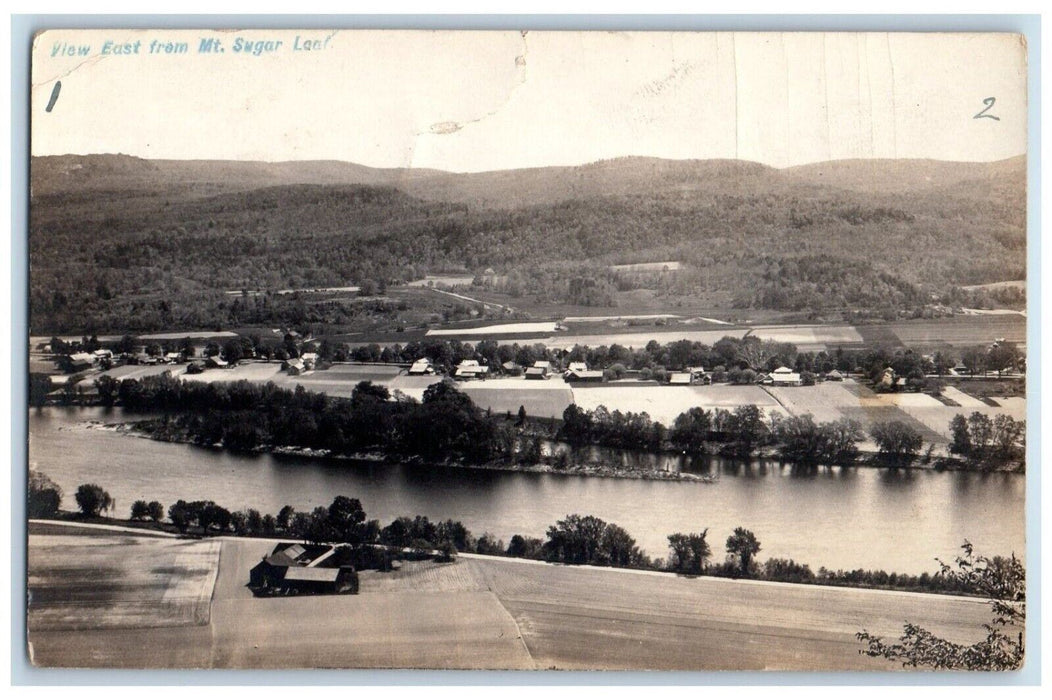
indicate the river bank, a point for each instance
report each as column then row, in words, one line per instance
column 561, row 462
column 842, row 517
column 140, row 430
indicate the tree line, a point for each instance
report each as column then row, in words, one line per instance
column 447, row 425
column 576, row 540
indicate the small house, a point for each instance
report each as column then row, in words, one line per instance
column 471, row 369
column 783, row 376
column 421, row 367
column 540, row 370
column 577, row 367
column 834, row 376
column 680, row 379
column 583, row 376
column 512, row 368
column 310, row 359
column 216, row 362
column 103, row 354
column 296, row 366
column 698, row 375
column 536, row 373
column 173, row 357
column 80, row 361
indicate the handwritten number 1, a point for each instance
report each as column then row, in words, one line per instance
column 54, row 96
column 989, row 102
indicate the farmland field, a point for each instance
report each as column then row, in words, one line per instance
column 641, row 338
column 961, row 330
column 498, row 329
column 630, row 317
column 444, row 280
column 80, row 582
column 831, row 401
column 353, row 373
column 665, row 403
column 541, row 399
column 878, row 335
column 669, row 266
column 823, row 401
column 251, row 371
column 962, row 399
column 809, row 337
column 486, row 612
column 140, row 371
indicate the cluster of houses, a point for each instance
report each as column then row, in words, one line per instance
column 298, row 365
column 102, row 358
column 297, row 569
column 579, row 373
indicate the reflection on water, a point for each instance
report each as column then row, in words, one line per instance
column 838, row 517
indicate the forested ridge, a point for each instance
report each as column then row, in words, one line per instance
column 118, row 230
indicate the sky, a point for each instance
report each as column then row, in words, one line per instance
column 476, row 101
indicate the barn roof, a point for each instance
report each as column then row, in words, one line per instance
column 303, row 573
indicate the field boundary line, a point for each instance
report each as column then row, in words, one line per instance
column 100, row 526
column 518, row 630
column 777, row 400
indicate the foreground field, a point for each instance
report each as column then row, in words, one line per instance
column 484, row 612
column 79, row 582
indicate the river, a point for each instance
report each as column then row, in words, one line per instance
column 857, row 517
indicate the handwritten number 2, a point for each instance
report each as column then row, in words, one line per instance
column 989, row 102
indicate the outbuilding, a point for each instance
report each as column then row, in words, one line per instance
column 783, row 376
column 421, row 367
column 583, row 376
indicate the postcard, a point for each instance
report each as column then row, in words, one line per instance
column 527, row 350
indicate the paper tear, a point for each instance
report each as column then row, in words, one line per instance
column 451, row 127
column 445, row 128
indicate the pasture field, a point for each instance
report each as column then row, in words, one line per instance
column 665, row 403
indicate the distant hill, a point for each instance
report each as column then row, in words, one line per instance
column 906, row 175
column 520, row 187
column 116, row 237
column 72, row 173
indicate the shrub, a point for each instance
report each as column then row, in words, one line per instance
column 92, row 499
column 44, row 496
